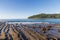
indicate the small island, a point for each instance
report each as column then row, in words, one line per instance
column 43, row 15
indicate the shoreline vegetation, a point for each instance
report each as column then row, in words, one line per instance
column 43, row 15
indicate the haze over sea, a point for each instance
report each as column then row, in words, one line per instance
column 55, row 21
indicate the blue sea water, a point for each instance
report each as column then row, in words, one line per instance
column 56, row 21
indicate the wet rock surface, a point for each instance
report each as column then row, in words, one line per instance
column 20, row 31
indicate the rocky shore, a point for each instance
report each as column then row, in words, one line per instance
column 29, row 31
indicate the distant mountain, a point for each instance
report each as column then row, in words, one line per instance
column 38, row 16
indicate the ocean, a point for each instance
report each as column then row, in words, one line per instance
column 56, row 21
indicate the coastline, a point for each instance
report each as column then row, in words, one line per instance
column 29, row 30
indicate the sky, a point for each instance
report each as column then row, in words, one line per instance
column 21, row 9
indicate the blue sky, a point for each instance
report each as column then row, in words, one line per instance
column 14, row 9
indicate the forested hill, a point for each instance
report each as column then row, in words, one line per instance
column 38, row 16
